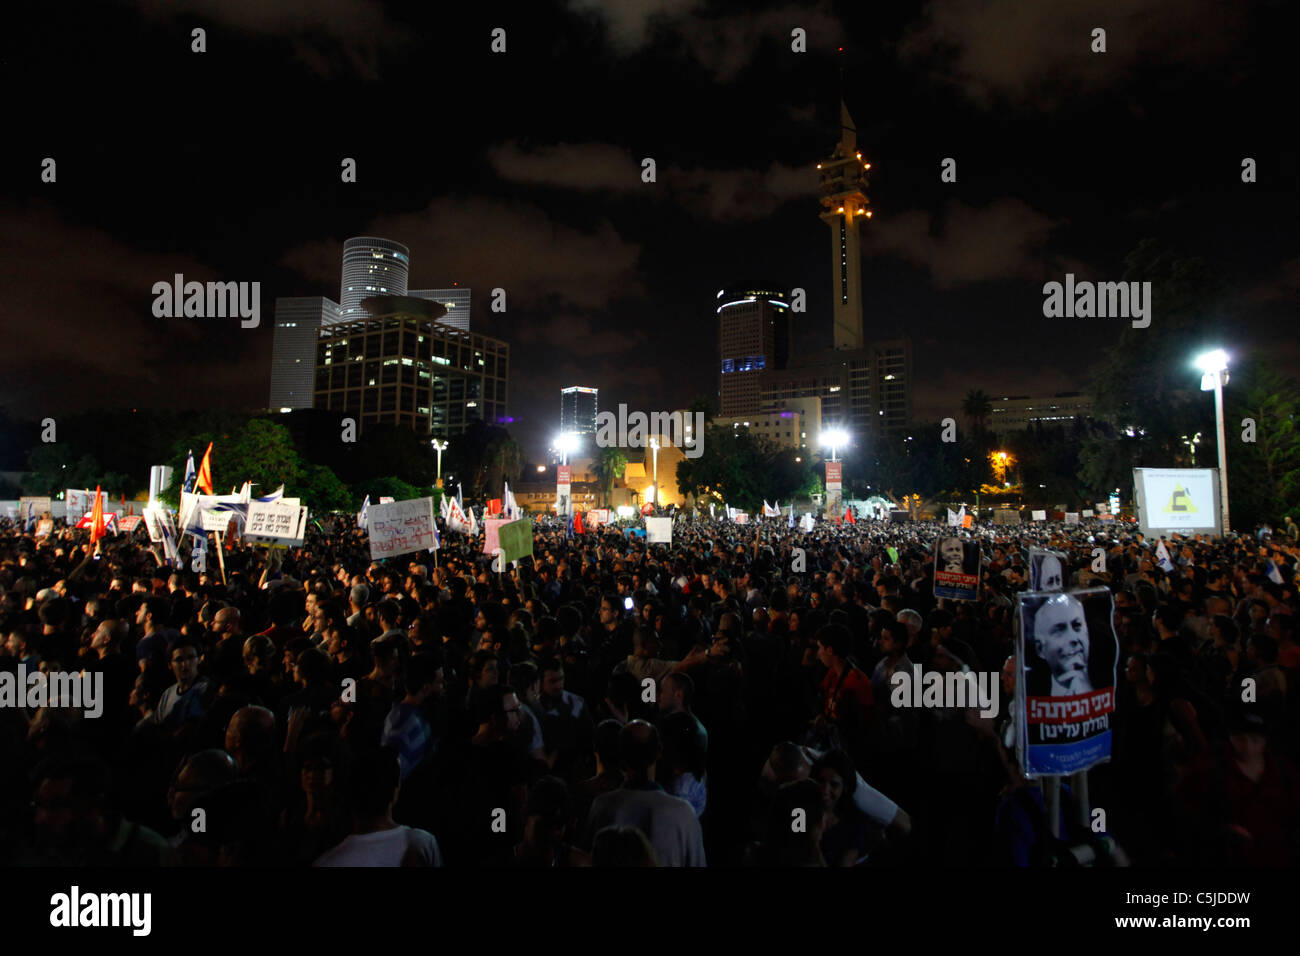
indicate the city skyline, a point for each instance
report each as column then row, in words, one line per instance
column 608, row 279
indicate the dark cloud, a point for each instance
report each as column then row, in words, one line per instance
column 99, row 343
column 490, row 243
column 715, row 194
column 723, row 44
column 1040, row 54
column 1005, row 240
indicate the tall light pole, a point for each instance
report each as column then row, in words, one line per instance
column 833, row 439
column 1214, row 368
column 439, row 447
column 654, row 451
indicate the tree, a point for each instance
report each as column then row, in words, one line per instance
column 502, row 461
column 1264, row 474
column 609, row 466
column 1145, row 392
column 977, row 407
column 321, row 490
column 387, row 487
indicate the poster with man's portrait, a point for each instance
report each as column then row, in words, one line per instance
column 1066, row 654
column 1048, row 570
column 957, row 568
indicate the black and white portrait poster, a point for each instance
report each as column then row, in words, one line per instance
column 957, row 568
column 1047, row 570
column 1066, row 652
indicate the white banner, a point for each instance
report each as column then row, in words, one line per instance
column 1039, row 516
column 659, row 530
column 76, row 504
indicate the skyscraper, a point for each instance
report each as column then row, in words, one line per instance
column 455, row 300
column 844, row 197
column 371, row 266
column 753, row 340
column 578, row 407
column 401, row 366
column 298, row 322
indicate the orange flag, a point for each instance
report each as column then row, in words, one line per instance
column 577, row 523
column 97, row 518
column 848, row 516
column 204, row 482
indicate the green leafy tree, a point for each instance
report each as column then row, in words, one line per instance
column 321, row 490
column 1263, row 475
column 609, row 466
column 387, row 487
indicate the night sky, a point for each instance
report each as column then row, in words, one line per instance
column 522, row 170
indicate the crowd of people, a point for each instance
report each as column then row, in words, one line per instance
column 724, row 700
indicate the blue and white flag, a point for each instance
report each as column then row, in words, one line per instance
column 190, row 474
column 460, row 500
column 510, row 506
column 30, row 525
column 1273, row 573
column 363, row 519
column 437, row 542
column 275, row 495
column 791, row 522
column 1162, row 557
column 568, row 527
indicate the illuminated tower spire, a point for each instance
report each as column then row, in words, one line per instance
column 845, row 204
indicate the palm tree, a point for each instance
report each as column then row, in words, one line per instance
column 977, row 407
column 609, row 466
column 503, row 461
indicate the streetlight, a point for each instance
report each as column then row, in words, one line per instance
column 654, row 449
column 439, row 447
column 1214, row 368
column 834, row 438
column 566, row 443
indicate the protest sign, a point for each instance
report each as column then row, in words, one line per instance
column 491, row 534
column 76, row 504
column 1072, row 517
column 153, row 524
column 1039, row 516
column 516, row 539
column 39, row 505
column 1066, row 653
column 270, row 521
column 400, row 527
column 956, row 569
column 659, row 530
column 129, row 523
column 1047, row 570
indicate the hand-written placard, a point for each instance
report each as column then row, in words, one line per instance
column 273, row 520
column 401, row 527
column 215, row 520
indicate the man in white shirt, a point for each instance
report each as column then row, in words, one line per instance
column 376, row 839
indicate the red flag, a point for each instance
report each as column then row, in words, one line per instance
column 97, row 518
column 494, row 506
column 848, row 516
column 577, row 523
column 204, row 482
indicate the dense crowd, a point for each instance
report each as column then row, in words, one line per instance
column 725, row 699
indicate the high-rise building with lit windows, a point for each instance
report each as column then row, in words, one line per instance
column 753, row 340
column 454, row 300
column 372, row 266
column 401, row 366
column 298, row 322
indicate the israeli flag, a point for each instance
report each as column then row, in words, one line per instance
column 1273, row 573
column 1162, row 558
column 30, row 526
column 363, row 519
column 190, row 474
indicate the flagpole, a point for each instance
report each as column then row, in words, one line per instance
column 221, row 558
